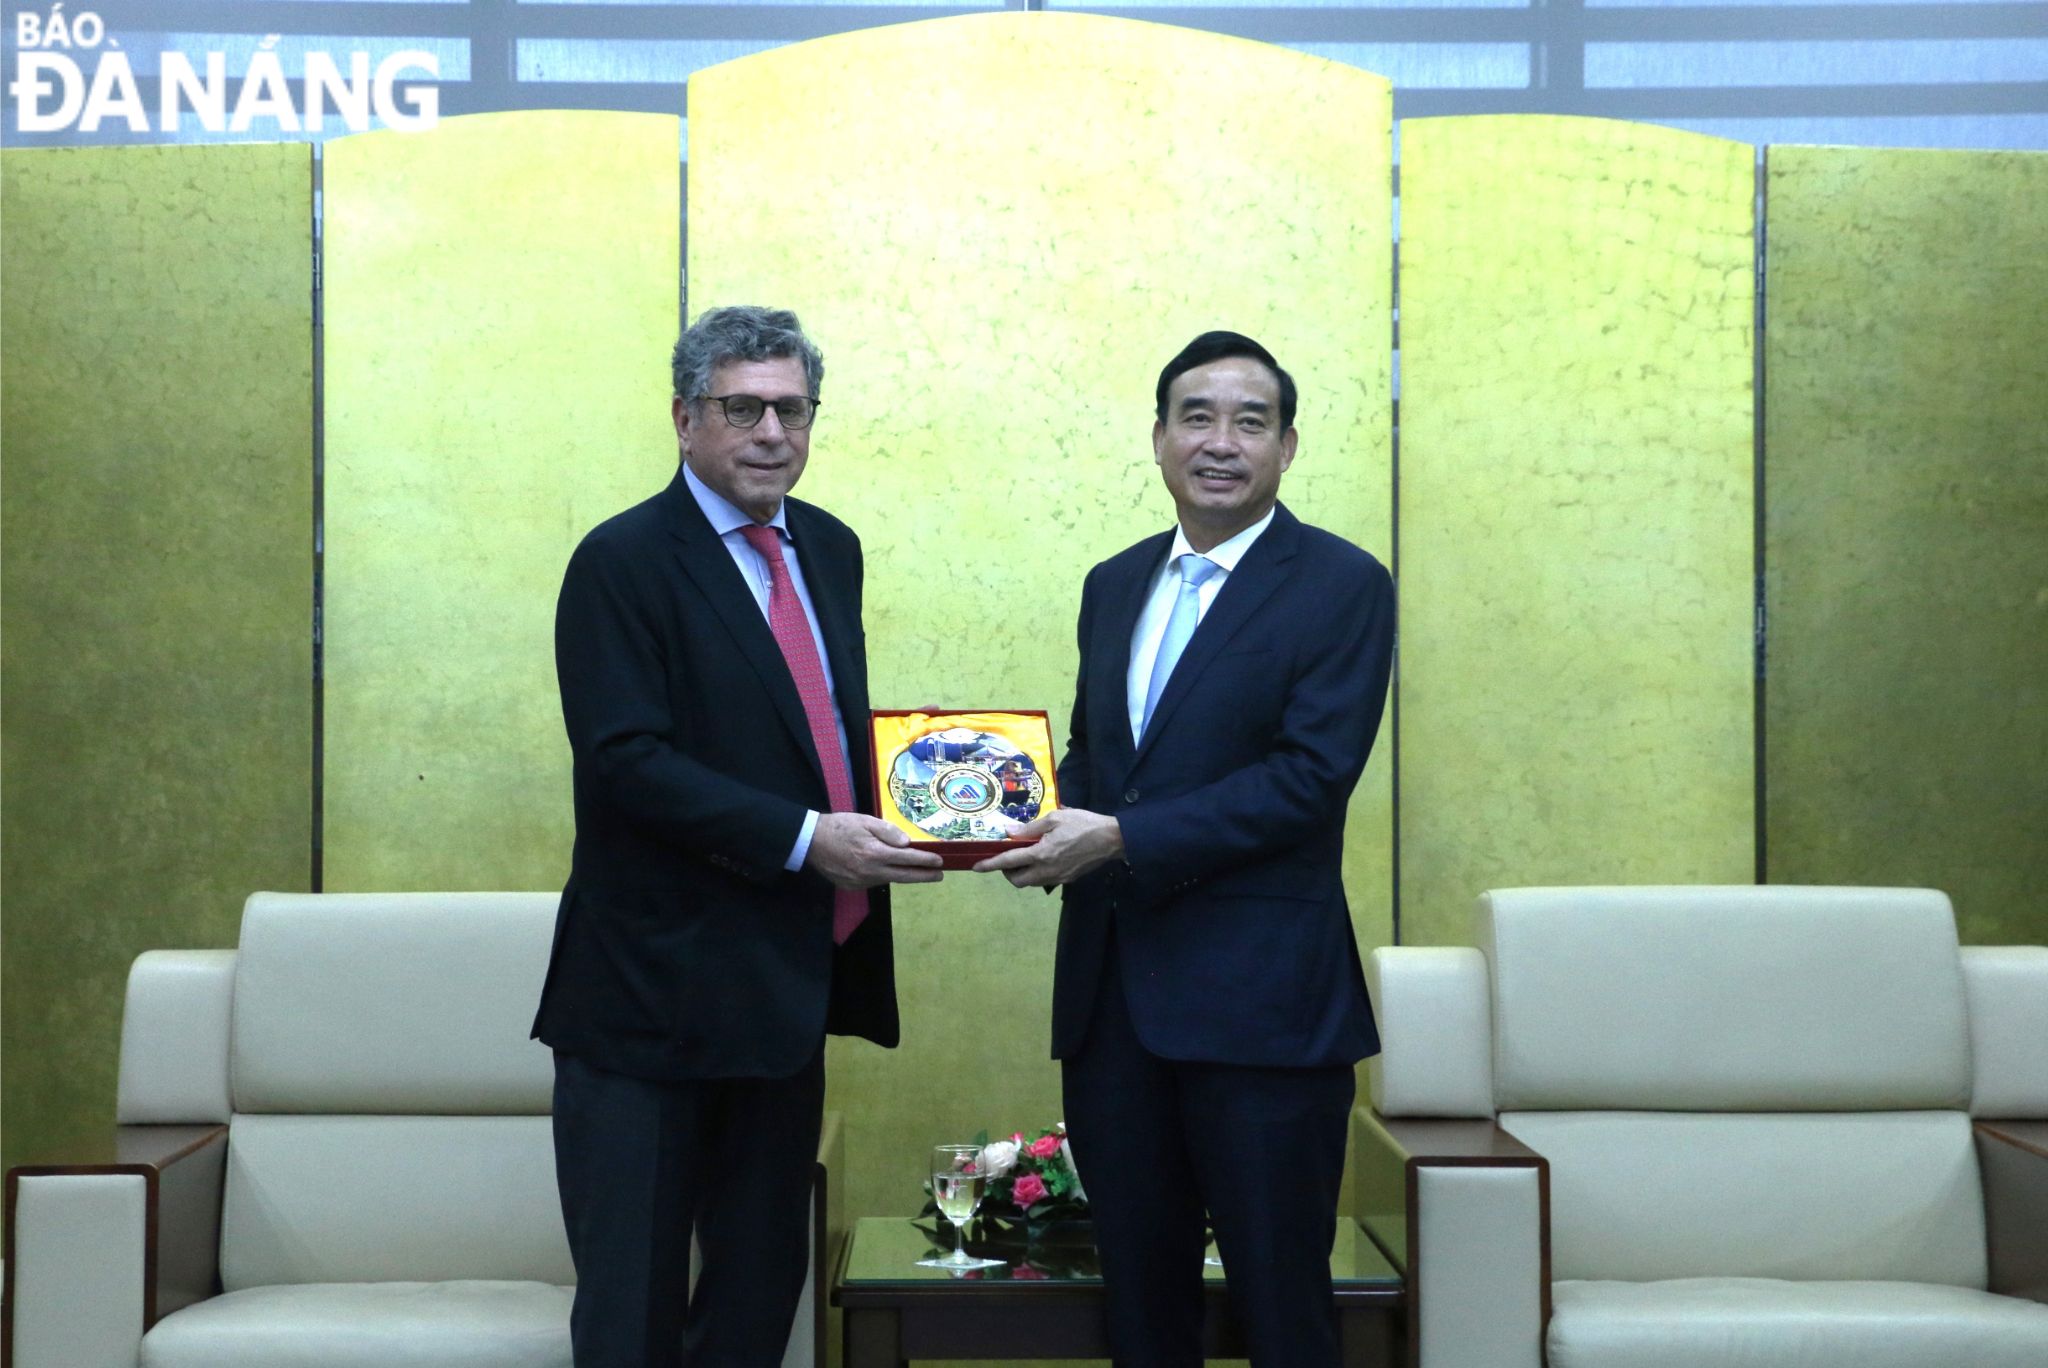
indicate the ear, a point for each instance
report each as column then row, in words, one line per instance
column 1287, row 443
column 1158, row 442
column 679, row 414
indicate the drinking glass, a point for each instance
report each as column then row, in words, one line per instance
column 958, row 1182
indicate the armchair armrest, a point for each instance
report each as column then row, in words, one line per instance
column 1463, row 1210
column 99, row 1250
column 2013, row 1156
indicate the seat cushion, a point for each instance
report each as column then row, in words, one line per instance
column 1877, row 1197
column 1765, row 1323
column 369, row 1325
column 334, row 1199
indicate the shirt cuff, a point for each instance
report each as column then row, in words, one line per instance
column 802, row 849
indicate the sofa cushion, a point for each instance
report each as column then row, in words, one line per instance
column 2007, row 987
column 320, row 1199
column 1436, row 1031
column 174, row 1038
column 1883, row 1196
column 1765, row 1323
column 384, row 1003
column 369, row 1325
column 1726, row 999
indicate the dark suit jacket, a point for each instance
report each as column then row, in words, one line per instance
column 1231, row 925
column 682, row 947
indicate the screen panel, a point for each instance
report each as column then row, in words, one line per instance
column 157, row 397
column 1576, row 510
column 1906, row 496
column 500, row 303
column 1002, row 228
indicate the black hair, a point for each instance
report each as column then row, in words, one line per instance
column 1216, row 346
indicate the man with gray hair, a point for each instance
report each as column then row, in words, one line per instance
column 727, row 904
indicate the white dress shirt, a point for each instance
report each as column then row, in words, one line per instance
column 727, row 520
column 1151, row 628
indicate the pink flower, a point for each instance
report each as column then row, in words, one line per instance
column 1045, row 1147
column 1027, row 1272
column 1027, row 1189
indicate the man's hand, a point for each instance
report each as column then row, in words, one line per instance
column 854, row 850
column 1071, row 842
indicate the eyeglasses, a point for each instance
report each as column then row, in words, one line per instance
column 745, row 410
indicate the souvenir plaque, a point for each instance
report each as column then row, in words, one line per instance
column 962, row 783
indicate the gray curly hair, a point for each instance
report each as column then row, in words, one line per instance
column 742, row 332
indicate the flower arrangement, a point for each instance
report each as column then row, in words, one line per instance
column 1032, row 1180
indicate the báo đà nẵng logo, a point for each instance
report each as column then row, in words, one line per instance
column 70, row 73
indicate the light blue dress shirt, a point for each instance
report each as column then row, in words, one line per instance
column 727, row 520
column 1151, row 628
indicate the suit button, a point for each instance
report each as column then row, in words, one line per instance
column 1130, row 795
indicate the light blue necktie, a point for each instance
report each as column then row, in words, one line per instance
column 1187, row 611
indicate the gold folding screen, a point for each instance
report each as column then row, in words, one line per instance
column 158, row 533
column 1575, row 510
column 1906, row 489
column 1004, row 226
column 501, row 296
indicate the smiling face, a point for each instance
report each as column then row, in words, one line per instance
column 1221, row 448
column 752, row 467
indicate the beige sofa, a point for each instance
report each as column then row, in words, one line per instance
column 334, row 1150
column 1714, row 1128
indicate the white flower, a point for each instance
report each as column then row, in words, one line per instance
column 999, row 1158
column 1079, row 1193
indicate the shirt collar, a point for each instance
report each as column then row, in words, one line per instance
column 1226, row 554
column 724, row 515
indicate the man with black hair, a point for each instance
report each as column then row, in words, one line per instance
column 1208, row 1004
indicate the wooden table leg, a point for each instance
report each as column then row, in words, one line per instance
column 874, row 1338
column 1369, row 1338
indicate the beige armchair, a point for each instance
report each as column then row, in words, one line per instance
column 1711, row 1127
column 334, row 1149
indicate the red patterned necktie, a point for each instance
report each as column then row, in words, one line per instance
column 800, row 651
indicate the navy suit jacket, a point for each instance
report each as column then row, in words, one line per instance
column 683, row 949
column 1232, row 930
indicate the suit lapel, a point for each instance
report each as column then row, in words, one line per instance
column 1109, row 679
column 1262, row 571
column 710, row 567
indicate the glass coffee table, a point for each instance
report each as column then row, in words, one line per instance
column 1044, row 1301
